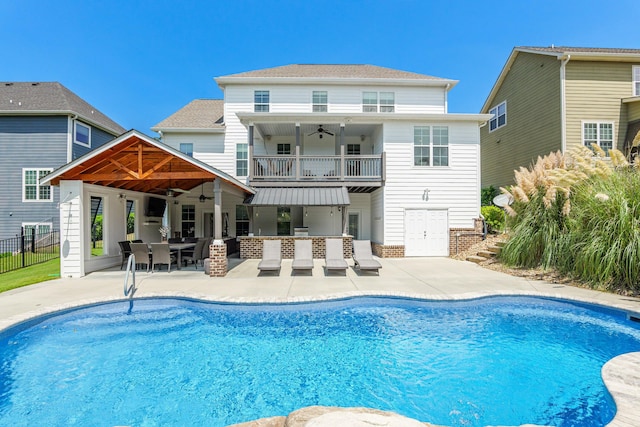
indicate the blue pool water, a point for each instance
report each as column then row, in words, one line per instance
column 493, row 361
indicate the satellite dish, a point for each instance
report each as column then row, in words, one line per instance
column 502, row 200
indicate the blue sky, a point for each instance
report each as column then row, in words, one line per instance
column 140, row 61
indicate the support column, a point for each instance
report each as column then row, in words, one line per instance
column 217, row 210
column 344, row 220
column 298, row 142
column 250, row 153
column 342, row 168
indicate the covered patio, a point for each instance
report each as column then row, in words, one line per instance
column 135, row 174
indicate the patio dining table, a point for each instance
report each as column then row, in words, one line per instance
column 178, row 247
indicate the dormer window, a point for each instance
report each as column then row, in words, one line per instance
column 82, row 134
column 261, row 101
column 320, row 101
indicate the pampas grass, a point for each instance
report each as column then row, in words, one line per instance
column 578, row 213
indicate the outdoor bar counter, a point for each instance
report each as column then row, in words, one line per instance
column 251, row 246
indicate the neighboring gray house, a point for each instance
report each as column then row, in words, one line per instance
column 42, row 127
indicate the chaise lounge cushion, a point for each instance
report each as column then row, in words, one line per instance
column 271, row 256
column 362, row 256
column 303, row 255
column 334, row 257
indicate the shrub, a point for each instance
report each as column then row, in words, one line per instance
column 494, row 217
column 487, row 194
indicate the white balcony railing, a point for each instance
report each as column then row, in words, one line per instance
column 322, row 168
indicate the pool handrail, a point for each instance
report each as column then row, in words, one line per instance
column 131, row 267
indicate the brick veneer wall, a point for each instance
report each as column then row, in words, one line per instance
column 251, row 247
column 461, row 239
column 387, row 251
column 218, row 259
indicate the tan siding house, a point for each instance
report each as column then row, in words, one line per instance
column 554, row 99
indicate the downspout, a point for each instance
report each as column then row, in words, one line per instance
column 446, row 97
column 70, row 137
column 563, row 98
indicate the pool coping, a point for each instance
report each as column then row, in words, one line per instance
column 621, row 374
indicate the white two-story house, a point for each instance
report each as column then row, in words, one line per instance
column 334, row 150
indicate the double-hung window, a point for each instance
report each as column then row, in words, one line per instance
column 187, row 148
column 261, row 101
column 32, row 191
column 431, row 146
column 369, row 102
column 636, row 80
column 320, row 101
column 242, row 159
column 499, row 118
column 387, row 102
column 188, row 220
column 82, row 134
column 600, row 133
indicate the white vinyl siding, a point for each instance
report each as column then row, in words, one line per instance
column 455, row 188
column 32, row 191
column 320, row 100
column 636, row 80
column 499, row 118
column 600, row 133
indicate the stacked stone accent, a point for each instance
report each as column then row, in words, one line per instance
column 218, row 259
column 251, row 247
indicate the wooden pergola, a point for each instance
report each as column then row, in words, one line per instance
column 138, row 163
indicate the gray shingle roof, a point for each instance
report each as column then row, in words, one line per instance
column 595, row 50
column 198, row 114
column 42, row 97
column 346, row 71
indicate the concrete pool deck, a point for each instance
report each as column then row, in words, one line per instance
column 428, row 278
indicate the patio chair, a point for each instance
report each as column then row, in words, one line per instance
column 303, row 255
column 206, row 249
column 125, row 251
column 160, row 254
column 194, row 255
column 363, row 258
column 334, row 257
column 271, row 256
column 142, row 254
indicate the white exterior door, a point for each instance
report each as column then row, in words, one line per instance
column 426, row 233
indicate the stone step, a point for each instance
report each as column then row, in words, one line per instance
column 476, row 259
column 500, row 244
column 494, row 249
column 486, row 254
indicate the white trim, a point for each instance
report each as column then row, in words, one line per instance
column 38, row 225
column 437, row 82
column 431, row 148
column 563, row 103
column 635, row 78
column 70, row 132
column 249, row 118
column 38, row 185
column 75, row 126
column 598, row 138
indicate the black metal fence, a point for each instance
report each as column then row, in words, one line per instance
column 28, row 249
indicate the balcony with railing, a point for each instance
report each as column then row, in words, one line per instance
column 366, row 170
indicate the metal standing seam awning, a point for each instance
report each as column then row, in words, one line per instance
column 307, row 196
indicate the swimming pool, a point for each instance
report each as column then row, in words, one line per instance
column 500, row 361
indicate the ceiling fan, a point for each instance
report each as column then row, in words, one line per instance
column 320, row 132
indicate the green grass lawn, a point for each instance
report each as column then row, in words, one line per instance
column 29, row 275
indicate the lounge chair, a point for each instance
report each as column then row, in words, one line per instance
column 160, row 254
column 125, row 251
column 303, row 255
column 363, row 258
column 142, row 254
column 334, row 257
column 271, row 256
